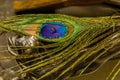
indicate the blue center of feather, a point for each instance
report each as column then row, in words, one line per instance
column 53, row 30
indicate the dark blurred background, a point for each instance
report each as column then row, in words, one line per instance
column 70, row 7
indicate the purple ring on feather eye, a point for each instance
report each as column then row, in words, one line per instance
column 53, row 30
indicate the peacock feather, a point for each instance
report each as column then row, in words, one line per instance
column 57, row 47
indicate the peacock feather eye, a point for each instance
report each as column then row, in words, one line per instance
column 53, row 30
column 48, row 28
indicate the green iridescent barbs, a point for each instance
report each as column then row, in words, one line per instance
column 32, row 25
column 67, row 46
